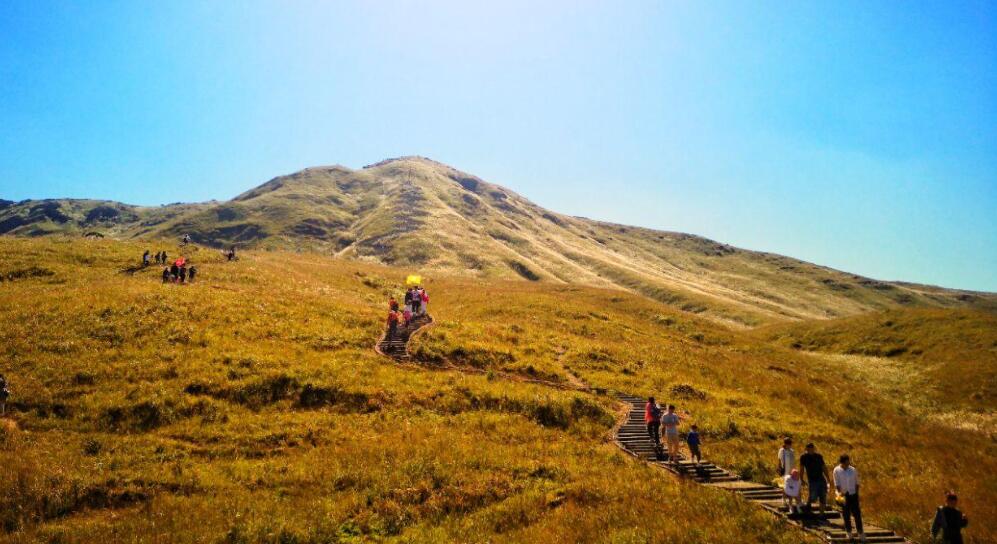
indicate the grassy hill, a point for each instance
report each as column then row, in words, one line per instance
column 417, row 212
column 250, row 407
column 948, row 356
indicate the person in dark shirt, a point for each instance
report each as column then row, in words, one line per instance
column 949, row 521
column 816, row 472
column 692, row 439
column 167, row 276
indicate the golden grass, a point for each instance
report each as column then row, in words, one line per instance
column 250, row 407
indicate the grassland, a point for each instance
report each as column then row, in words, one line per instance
column 250, row 407
column 415, row 212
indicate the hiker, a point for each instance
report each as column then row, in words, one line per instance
column 949, row 521
column 145, row 258
column 846, row 482
column 815, row 470
column 787, row 457
column 231, row 254
column 392, row 304
column 191, row 273
column 165, row 258
column 4, row 395
column 692, row 439
column 424, row 300
column 416, row 301
column 175, row 271
column 392, row 324
column 183, row 273
column 791, row 492
column 185, row 240
column 156, row 257
column 652, row 419
column 408, row 298
column 407, row 314
column 167, row 276
column 671, row 423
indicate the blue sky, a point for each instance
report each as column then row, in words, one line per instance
column 858, row 135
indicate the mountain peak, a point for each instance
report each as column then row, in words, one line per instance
column 419, row 213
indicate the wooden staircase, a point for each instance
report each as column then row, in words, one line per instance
column 397, row 345
column 632, row 437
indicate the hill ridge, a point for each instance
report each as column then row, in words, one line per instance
column 420, row 213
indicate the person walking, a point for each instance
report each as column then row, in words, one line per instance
column 949, row 521
column 174, row 271
column 392, row 304
column 787, row 457
column 846, row 482
column 416, row 301
column 165, row 258
column 183, row 273
column 692, row 439
column 815, row 469
column 191, row 272
column 652, row 421
column 167, row 276
column 424, row 301
column 145, row 258
column 791, row 492
column 4, row 395
column 392, row 324
column 670, row 421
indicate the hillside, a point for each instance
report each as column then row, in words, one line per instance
column 929, row 346
column 251, row 407
column 417, row 212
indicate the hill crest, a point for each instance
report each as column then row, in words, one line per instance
column 419, row 213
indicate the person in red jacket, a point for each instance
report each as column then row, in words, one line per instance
column 652, row 418
column 392, row 323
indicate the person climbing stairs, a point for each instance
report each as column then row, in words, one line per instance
column 633, row 438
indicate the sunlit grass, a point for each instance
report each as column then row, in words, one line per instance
column 251, row 407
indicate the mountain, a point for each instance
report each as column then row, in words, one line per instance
column 421, row 214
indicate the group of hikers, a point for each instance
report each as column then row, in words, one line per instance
column 180, row 270
column 416, row 304
column 948, row 521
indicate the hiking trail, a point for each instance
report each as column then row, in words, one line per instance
column 631, row 436
column 396, row 345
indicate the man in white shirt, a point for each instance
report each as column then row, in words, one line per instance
column 787, row 457
column 846, row 481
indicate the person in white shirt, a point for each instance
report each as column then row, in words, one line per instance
column 787, row 457
column 791, row 492
column 846, row 482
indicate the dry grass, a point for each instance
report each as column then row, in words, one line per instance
column 416, row 212
column 250, row 407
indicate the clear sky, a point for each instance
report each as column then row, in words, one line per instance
column 858, row 135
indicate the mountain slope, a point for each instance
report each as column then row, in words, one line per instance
column 419, row 213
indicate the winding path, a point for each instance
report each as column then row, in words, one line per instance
column 631, row 436
column 396, row 345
